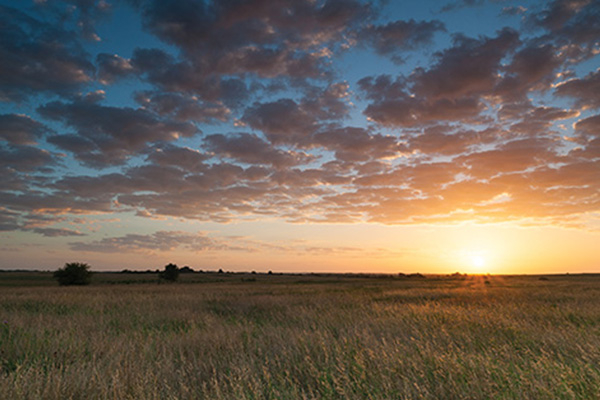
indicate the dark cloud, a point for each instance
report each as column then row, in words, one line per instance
column 20, row 129
column 221, row 39
column 585, row 91
column 352, row 144
column 531, row 68
column 38, row 57
column 183, row 108
column 260, row 37
column 412, row 111
column 178, row 77
column 25, row 158
column 533, row 121
column 282, row 121
column 435, row 141
column 110, row 135
column 9, row 220
column 589, row 126
column 395, row 38
column 57, row 232
column 251, row 149
column 84, row 13
column 469, row 67
column 158, row 241
column 286, row 121
column 112, row 67
column 575, row 21
column 181, row 157
column 452, row 89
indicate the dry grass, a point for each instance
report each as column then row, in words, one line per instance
column 295, row 338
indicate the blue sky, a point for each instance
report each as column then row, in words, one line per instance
column 338, row 135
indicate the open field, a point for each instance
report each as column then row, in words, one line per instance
column 243, row 336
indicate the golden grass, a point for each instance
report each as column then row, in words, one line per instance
column 295, row 338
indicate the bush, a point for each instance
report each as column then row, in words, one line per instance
column 170, row 273
column 73, row 274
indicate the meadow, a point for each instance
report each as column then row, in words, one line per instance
column 258, row 336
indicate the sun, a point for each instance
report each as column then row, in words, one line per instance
column 477, row 261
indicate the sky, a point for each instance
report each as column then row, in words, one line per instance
column 301, row 135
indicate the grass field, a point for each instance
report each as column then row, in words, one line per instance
column 234, row 336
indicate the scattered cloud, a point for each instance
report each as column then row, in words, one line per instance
column 159, row 241
column 260, row 109
column 55, row 232
column 39, row 57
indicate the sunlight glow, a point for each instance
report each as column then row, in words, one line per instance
column 477, row 261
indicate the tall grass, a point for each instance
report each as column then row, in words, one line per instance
column 516, row 338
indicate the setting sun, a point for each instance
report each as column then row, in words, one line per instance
column 477, row 261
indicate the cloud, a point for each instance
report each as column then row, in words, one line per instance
column 468, row 68
column 450, row 90
column 159, row 241
column 56, row 232
column 84, row 13
column 265, row 38
column 574, row 21
column 183, row 108
column 395, row 38
column 181, row 157
column 352, row 144
column 513, row 156
column 286, row 121
column 585, row 91
column 435, row 140
column 110, row 135
column 25, row 158
column 477, row 131
column 20, row 129
column 38, row 57
column 249, row 148
column 589, row 126
column 112, row 67
column 178, row 77
column 531, row 68
column 9, row 220
column 283, row 121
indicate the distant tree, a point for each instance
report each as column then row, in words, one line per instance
column 74, row 273
column 186, row 270
column 170, row 273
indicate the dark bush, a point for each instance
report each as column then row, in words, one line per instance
column 170, row 273
column 73, row 274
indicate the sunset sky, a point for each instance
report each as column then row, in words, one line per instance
column 301, row 135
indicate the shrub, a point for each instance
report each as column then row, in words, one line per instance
column 74, row 273
column 170, row 273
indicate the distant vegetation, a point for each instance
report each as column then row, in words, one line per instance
column 170, row 273
column 285, row 336
column 74, row 273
